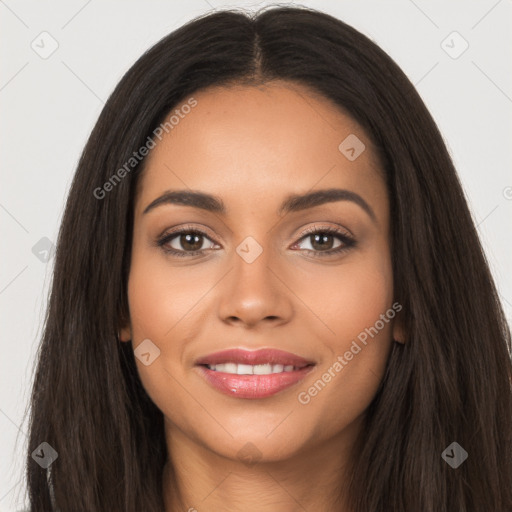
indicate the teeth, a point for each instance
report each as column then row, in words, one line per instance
column 249, row 369
column 244, row 369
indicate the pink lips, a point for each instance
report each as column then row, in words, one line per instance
column 262, row 356
column 253, row 386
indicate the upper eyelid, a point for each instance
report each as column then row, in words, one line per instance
column 186, row 229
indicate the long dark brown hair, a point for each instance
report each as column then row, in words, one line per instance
column 450, row 382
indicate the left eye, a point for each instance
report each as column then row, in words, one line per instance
column 321, row 242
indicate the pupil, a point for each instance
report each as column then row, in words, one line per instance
column 186, row 242
column 321, row 237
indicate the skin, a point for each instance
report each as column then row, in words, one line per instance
column 252, row 146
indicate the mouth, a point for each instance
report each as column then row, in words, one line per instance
column 250, row 369
column 253, row 374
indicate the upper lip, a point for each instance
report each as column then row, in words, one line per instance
column 254, row 357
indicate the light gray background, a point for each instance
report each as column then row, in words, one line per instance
column 49, row 106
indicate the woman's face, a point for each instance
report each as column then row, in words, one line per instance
column 262, row 277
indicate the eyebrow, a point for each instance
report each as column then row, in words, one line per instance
column 293, row 203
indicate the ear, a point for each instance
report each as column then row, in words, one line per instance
column 125, row 333
column 398, row 328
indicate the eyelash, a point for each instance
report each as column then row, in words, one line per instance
column 347, row 241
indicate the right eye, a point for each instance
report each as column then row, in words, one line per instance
column 191, row 242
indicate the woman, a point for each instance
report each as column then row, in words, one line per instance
column 269, row 293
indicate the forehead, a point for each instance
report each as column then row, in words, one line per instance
column 252, row 145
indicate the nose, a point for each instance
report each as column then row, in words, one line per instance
column 255, row 293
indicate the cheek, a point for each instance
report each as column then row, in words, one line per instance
column 163, row 304
column 363, row 325
column 358, row 342
column 348, row 298
column 153, row 313
column 160, row 297
column 367, row 293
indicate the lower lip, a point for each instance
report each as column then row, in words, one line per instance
column 252, row 386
